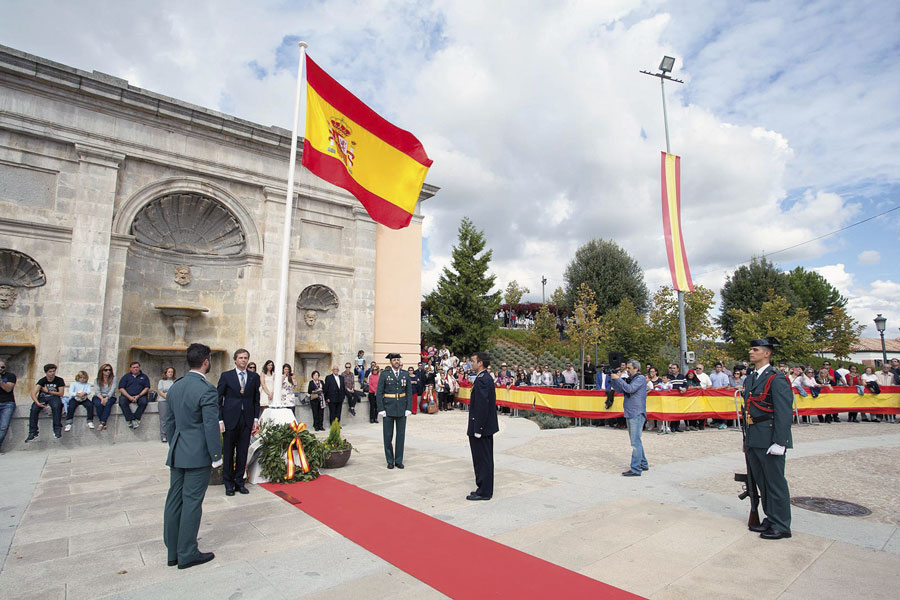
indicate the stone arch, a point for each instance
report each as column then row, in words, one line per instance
column 17, row 269
column 317, row 297
column 190, row 186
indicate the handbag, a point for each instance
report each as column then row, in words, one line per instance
column 432, row 408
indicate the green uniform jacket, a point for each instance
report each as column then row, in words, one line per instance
column 776, row 430
column 192, row 423
column 388, row 383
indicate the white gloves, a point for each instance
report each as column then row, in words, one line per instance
column 382, row 414
column 217, row 463
column 407, row 413
column 478, row 435
column 776, row 449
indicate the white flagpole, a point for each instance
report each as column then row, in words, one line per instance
column 281, row 331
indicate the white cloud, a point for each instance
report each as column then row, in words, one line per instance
column 869, row 257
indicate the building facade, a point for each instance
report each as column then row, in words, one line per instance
column 135, row 224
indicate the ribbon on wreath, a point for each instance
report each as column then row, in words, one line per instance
column 304, row 464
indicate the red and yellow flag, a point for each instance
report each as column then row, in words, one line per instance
column 348, row 144
column 671, row 216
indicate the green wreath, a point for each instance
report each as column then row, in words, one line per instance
column 275, row 442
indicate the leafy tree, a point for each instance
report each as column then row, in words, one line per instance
column 774, row 319
column 558, row 299
column 816, row 295
column 748, row 288
column 840, row 332
column 462, row 306
column 699, row 323
column 514, row 293
column 610, row 272
column 626, row 331
column 585, row 329
column 543, row 335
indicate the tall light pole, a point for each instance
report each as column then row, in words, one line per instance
column 543, row 290
column 881, row 325
column 665, row 67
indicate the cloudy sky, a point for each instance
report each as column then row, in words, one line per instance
column 543, row 131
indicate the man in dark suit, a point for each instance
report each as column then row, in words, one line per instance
column 334, row 394
column 482, row 427
column 193, row 433
column 238, row 417
column 769, row 401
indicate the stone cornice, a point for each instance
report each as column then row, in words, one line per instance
column 99, row 156
column 40, row 231
column 308, row 266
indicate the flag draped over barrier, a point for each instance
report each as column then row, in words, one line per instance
column 671, row 216
column 348, row 144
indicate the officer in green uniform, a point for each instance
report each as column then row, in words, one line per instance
column 769, row 402
column 394, row 399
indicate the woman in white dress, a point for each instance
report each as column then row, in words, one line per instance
column 267, row 383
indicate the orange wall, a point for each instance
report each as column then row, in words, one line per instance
column 398, row 291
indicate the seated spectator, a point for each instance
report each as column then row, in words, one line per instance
column 134, row 388
column 104, row 394
column 162, row 401
column 80, row 395
column 570, row 377
column 48, row 391
column 7, row 400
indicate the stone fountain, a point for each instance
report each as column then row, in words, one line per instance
column 180, row 316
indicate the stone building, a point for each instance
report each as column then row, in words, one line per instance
column 134, row 223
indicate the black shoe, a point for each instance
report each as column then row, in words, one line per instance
column 774, row 535
column 353, row 411
column 399, row 465
column 57, row 435
column 243, row 490
column 172, row 563
column 645, row 468
column 476, row 497
column 631, row 474
column 390, row 465
column 30, row 437
column 761, row 528
column 229, row 492
column 204, row 557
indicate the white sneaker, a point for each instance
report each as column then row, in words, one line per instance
column 68, row 428
column 90, row 424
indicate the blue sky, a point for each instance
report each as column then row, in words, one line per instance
column 543, row 131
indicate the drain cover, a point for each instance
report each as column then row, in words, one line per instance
column 830, row 506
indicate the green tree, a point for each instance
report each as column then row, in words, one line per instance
column 610, row 272
column 462, row 306
column 774, row 319
column 816, row 295
column 748, row 288
column 585, row 329
column 514, row 292
column 627, row 331
column 558, row 299
column 540, row 337
column 840, row 332
column 699, row 322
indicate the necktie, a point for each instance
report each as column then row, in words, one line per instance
column 242, row 375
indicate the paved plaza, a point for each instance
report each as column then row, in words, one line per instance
column 87, row 522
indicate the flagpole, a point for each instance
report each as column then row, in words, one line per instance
column 281, row 331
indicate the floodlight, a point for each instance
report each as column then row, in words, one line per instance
column 667, row 64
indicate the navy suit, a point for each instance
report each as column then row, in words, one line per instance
column 334, row 395
column 237, row 409
column 483, row 421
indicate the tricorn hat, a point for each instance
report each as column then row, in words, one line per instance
column 770, row 342
column 393, row 355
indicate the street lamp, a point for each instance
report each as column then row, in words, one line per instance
column 881, row 325
column 665, row 67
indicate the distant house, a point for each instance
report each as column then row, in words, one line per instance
column 868, row 351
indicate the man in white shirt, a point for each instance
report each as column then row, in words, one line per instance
column 702, row 377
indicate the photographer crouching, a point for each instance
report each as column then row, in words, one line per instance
column 635, row 390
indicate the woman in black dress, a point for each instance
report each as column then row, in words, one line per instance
column 316, row 401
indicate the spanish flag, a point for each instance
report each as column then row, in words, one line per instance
column 348, row 144
column 671, row 216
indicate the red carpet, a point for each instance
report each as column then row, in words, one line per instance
column 453, row 561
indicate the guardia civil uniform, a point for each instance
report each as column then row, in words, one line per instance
column 394, row 399
column 769, row 401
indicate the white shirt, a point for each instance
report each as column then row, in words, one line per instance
column 705, row 381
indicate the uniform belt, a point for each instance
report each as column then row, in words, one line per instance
column 392, row 395
column 759, row 419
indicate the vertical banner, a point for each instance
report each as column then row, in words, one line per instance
column 671, row 217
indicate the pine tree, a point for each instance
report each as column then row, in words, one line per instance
column 610, row 272
column 462, row 306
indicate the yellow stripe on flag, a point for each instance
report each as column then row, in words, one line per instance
column 674, row 224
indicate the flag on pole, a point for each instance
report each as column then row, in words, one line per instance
column 671, row 216
column 348, row 144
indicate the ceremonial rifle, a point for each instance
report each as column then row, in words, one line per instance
column 747, row 478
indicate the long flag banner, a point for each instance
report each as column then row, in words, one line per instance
column 671, row 216
column 348, row 144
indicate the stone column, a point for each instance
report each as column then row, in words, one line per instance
column 84, row 293
column 398, row 290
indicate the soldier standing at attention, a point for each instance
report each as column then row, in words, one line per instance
column 769, row 401
column 394, row 398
